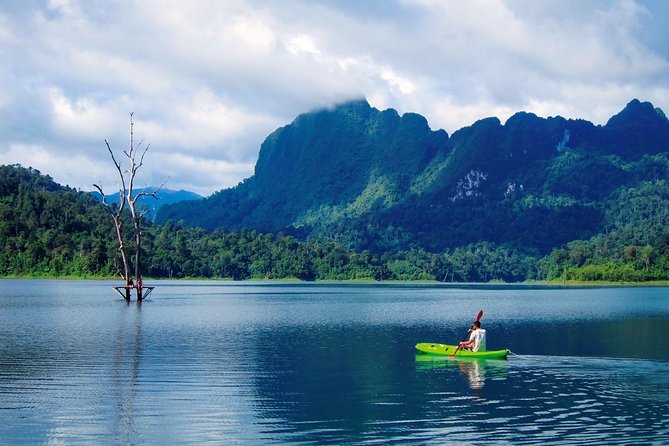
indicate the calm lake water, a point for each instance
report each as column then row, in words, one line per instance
column 255, row 363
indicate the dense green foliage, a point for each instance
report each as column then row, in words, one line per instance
column 635, row 246
column 48, row 230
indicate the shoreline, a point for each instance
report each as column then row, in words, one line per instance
column 547, row 283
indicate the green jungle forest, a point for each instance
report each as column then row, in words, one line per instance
column 49, row 230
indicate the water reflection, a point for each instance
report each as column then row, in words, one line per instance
column 476, row 371
column 126, row 368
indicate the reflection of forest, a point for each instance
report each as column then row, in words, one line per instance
column 327, row 376
column 321, row 376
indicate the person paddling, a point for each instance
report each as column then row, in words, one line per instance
column 476, row 342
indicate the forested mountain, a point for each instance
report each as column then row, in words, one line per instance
column 354, row 193
column 318, row 164
column 374, row 180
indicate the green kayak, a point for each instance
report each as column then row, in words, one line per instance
column 447, row 350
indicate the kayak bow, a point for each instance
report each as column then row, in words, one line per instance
column 432, row 348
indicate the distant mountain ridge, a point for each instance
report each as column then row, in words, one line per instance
column 165, row 196
column 376, row 180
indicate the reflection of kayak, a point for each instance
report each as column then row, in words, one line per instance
column 447, row 350
column 476, row 370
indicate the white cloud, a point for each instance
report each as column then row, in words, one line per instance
column 204, row 125
column 84, row 118
column 255, row 34
column 405, row 86
column 303, row 44
column 75, row 170
column 201, row 173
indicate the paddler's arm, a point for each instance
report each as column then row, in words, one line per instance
column 470, row 342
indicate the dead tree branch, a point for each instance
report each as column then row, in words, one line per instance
column 135, row 157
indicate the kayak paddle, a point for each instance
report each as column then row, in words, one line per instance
column 478, row 318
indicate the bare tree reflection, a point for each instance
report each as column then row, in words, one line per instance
column 127, row 358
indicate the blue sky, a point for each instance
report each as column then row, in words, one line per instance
column 209, row 80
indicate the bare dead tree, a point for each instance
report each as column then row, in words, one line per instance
column 135, row 157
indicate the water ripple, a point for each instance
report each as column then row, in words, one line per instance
column 301, row 365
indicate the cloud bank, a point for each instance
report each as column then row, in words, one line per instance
column 208, row 81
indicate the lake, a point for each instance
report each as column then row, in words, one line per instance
column 309, row 363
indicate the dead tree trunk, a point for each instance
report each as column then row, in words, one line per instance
column 132, row 198
column 135, row 156
column 124, row 257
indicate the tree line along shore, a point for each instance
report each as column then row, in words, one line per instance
column 49, row 230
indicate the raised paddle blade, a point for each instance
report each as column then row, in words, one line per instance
column 480, row 315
